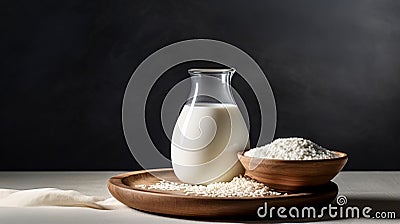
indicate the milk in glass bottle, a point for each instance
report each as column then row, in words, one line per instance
column 210, row 130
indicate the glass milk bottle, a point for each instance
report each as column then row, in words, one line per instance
column 210, row 130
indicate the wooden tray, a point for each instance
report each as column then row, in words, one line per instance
column 176, row 203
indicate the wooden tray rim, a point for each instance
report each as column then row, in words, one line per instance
column 117, row 181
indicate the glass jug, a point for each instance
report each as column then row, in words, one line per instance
column 210, row 130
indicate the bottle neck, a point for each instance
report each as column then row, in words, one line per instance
column 211, row 86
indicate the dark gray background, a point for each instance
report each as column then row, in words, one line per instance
column 334, row 67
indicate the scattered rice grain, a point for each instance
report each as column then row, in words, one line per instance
column 238, row 187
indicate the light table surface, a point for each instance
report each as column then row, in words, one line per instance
column 379, row 190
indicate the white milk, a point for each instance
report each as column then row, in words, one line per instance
column 205, row 143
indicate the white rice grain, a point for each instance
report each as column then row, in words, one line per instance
column 291, row 149
column 237, row 187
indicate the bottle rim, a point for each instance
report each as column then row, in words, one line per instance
column 211, row 71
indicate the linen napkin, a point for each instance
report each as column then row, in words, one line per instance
column 55, row 197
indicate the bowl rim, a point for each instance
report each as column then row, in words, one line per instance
column 342, row 156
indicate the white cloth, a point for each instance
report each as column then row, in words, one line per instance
column 55, row 197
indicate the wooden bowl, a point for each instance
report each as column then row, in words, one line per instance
column 292, row 175
column 124, row 188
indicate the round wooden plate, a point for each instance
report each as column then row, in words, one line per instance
column 176, row 203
